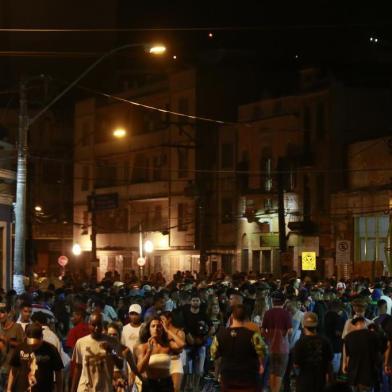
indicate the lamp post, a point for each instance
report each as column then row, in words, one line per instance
column 21, row 176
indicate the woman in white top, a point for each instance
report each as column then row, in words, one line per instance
column 154, row 357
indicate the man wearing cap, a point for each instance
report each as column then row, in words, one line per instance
column 130, row 333
column 11, row 334
column 312, row 356
column 35, row 364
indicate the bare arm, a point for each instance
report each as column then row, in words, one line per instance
column 387, row 365
column 143, row 354
column 11, row 379
column 76, row 377
column 177, row 340
column 345, row 360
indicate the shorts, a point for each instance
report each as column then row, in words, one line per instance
column 176, row 365
column 278, row 364
column 160, row 384
column 195, row 358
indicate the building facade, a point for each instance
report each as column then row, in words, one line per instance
column 290, row 154
column 363, row 210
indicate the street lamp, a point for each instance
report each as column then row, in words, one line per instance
column 148, row 246
column 157, row 49
column 119, row 133
column 76, row 249
column 21, row 173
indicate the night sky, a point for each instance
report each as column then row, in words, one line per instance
column 279, row 35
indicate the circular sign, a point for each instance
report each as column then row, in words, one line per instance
column 343, row 247
column 63, row 261
column 141, row 261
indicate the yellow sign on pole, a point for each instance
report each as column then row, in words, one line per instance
column 308, row 261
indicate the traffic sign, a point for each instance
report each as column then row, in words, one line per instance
column 308, row 261
column 343, row 252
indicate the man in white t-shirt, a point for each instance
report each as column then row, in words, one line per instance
column 130, row 333
column 95, row 356
column 387, row 292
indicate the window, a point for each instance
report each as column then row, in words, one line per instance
column 183, row 105
column 244, row 260
column 227, row 263
column 243, row 171
column 52, row 172
column 157, row 264
column 226, row 210
column 320, row 189
column 85, row 223
column 157, row 171
column 256, row 261
column 182, row 162
column 86, row 133
column 307, row 118
column 181, row 217
column 126, row 172
column 140, row 169
column 157, row 220
column 227, row 156
column 371, row 238
column 266, row 169
column 320, row 120
column 306, row 124
column 85, row 179
column 266, row 261
column 106, row 174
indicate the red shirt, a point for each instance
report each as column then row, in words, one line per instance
column 78, row 331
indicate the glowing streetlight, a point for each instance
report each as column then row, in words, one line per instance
column 157, row 49
column 148, row 246
column 119, row 133
column 76, row 250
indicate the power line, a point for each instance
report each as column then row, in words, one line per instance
column 197, row 28
column 299, row 170
column 154, row 108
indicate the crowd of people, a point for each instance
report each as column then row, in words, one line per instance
column 241, row 332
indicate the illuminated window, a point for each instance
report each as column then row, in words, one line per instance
column 371, row 237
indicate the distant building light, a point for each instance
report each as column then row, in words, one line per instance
column 148, row 246
column 210, row 35
column 119, row 133
column 76, row 250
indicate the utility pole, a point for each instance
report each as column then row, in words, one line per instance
column 93, row 228
column 20, row 206
column 281, row 212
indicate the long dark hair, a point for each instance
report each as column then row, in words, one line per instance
column 145, row 331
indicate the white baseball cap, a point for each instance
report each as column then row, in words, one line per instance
column 135, row 308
